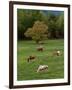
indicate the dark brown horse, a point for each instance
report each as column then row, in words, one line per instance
column 30, row 58
column 40, row 49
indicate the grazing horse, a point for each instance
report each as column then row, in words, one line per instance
column 42, row 68
column 57, row 53
column 30, row 58
column 40, row 48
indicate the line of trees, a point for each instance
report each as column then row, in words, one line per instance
column 53, row 23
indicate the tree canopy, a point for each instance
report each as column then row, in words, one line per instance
column 38, row 32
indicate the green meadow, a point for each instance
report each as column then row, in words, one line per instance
column 28, row 70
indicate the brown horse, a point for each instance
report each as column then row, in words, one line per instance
column 40, row 48
column 30, row 58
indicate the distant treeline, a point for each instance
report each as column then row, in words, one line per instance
column 53, row 19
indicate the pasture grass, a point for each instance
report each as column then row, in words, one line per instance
column 28, row 70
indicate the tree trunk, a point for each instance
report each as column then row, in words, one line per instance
column 37, row 41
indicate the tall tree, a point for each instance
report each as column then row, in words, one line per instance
column 38, row 32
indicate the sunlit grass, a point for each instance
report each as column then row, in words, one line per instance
column 27, row 70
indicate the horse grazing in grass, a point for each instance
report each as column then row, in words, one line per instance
column 57, row 53
column 42, row 68
column 30, row 58
column 40, row 48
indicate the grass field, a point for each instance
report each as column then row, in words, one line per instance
column 27, row 70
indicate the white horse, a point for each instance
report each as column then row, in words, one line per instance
column 42, row 68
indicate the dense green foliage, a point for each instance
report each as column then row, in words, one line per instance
column 27, row 70
column 26, row 19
